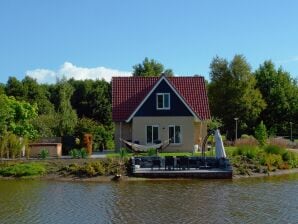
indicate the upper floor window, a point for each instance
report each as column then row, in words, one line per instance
column 163, row 101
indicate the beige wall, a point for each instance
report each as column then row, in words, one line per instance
column 187, row 130
column 55, row 149
column 124, row 131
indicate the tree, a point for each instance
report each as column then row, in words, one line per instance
column 16, row 117
column 93, row 99
column 67, row 115
column 150, row 68
column 280, row 92
column 232, row 93
column 15, row 88
column 102, row 136
column 261, row 134
column 35, row 93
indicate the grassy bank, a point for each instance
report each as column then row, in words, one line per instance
column 64, row 167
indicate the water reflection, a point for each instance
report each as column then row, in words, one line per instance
column 257, row 200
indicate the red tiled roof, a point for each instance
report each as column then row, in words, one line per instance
column 128, row 93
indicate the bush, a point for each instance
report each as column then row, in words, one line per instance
column 246, row 140
column 44, row 153
column 281, row 142
column 83, row 153
column 77, row 154
column 275, row 149
column 23, row 169
column 152, row 152
column 261, row 134
column 273, row 160
column 123, row 153
column 74, row 153
column 246, row 150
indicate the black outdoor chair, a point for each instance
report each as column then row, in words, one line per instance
column 194, row 163
column 183, row 162
column 156, row 162
column 169, row 162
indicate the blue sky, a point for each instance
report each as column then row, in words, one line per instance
column 92, row 38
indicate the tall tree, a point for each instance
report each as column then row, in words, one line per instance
column 150, row 68
column 232, row 93
column 67, row 115
column 15, row 88
column 280, row 92
column 36, row 93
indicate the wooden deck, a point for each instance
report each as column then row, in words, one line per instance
column 147, row 168
column 214, row 173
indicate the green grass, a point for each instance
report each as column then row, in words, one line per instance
column 23, row 169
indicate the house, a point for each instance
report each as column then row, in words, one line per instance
column 147, row 110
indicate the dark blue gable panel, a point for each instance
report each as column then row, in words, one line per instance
column 177, row 106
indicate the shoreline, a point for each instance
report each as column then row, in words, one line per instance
column 106, row 179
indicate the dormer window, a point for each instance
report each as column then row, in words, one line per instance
column 163, row 101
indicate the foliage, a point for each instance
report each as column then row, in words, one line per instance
column 281, row 142
column 23, row 169
column 232, row 93
column 247, row 141
column 274, row 149
column 250, row 152
column 93, row 100
column 83, row 153
column 111, row 166
column 78, row 153
column 280, row 92
column 152, row 152
column 16, row 116
column 261, row 134
column 150, row 68
column 47, row 125
column 214, row 123
column 67, row 115
column 102, row 135
column 44, row 154
column 74, row 153
column 123, row 153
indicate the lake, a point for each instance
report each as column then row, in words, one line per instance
column 254, row 200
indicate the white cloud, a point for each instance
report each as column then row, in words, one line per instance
column 70, row 70
column 289, row 60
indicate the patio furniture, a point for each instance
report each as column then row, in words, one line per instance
column 169, row 162
column 183, row 162
column 156, row 162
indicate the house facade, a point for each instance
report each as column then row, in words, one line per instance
column 148, row 110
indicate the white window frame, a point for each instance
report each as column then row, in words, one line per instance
column 181, row 136
column 163, row 101
column 152, row 126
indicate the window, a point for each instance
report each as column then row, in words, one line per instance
column 175, row 134
column 151, row 133
column 163, row 101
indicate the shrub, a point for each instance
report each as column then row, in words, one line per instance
column 83, row 153
column 246, row 150
column 23, row 169
column 123, row 153
column 246, row 141
column 274, row 149
column 74, row 153
column 273, row 160
column 261, row 134
column 44, row 153
column 281, row 142
column 152, row 152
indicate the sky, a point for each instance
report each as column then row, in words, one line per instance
column 100, row 39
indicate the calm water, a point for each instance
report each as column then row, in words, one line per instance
column 259, row 200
